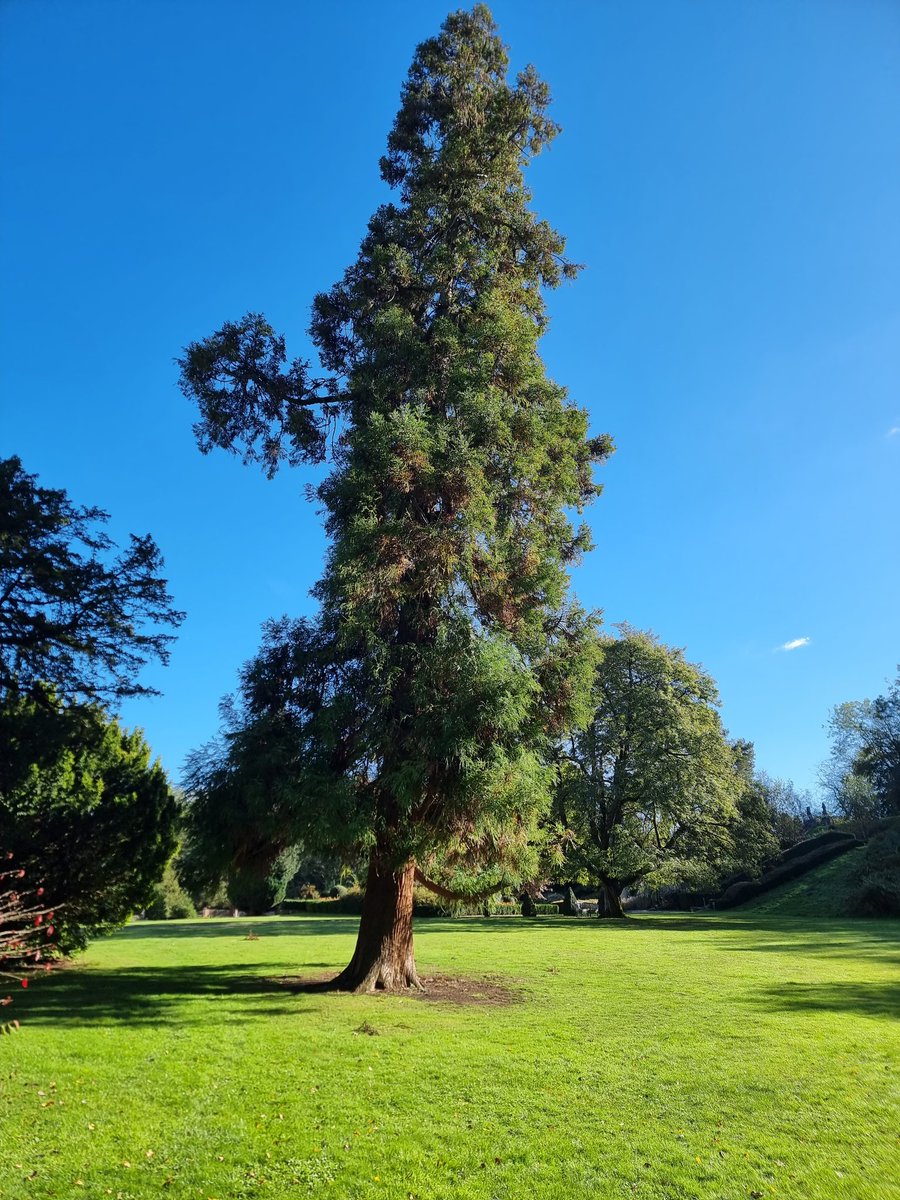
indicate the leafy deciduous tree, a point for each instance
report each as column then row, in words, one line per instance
column 652, row 778
column 862, row 773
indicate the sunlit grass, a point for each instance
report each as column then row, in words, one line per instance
column 661, row 1058
column 823, row 892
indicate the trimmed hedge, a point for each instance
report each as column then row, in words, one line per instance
column 791, row 867
column 351, row 904
column 831, row 837
column 347, row 905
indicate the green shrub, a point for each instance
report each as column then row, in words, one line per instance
column 878, row 890
column 350, row 904
column 425, row 904
column 255, row 889
column 170, row 901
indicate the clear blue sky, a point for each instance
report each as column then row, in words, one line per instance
column 730, row 174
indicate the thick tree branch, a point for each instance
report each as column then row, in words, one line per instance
column 448, row 894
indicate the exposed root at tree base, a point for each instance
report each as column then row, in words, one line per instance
column 444, row 989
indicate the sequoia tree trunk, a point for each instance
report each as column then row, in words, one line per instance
column 383, row 959
column 609, row 902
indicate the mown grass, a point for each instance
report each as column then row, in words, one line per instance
column 823, row 892
column 663, row 1058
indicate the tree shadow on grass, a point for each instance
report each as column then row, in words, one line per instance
column 862, row 933
column 152, row 996
column 862, row 999
column 871, row 948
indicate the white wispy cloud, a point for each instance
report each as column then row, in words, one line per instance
column 795, row 644
column 893, row 431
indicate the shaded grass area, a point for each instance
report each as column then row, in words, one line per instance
column 665, row 1057
column 823, row 892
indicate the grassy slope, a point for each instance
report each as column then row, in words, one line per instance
column 820, row 893
column 663, row 1058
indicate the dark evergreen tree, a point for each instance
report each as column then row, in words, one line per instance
column 570, row 903
column 84, row 811
column 75, row 614
column 416, row 717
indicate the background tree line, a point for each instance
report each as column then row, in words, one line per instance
column 451, row 718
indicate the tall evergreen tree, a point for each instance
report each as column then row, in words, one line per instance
column 416, row 716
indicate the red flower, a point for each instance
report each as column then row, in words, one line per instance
column 24, row 983
column 39, row 892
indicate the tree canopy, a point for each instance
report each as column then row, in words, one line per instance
column 75, row 613
column 652, row 778
column 447, row 656
column 83, row 810
column 862, row 773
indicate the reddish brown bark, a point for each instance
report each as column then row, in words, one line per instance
column 383, row 959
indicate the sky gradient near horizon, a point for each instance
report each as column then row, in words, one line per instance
column 730, row 176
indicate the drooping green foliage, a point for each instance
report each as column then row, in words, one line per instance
column 416, row 716
column 253, row 890
column 652, row 781
column 84, row 812
column 74, row 614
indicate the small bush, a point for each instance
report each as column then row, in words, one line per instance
column 170, row 900
column 878, row 890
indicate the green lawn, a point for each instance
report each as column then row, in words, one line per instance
column 663, row 1057
column 821, row 893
